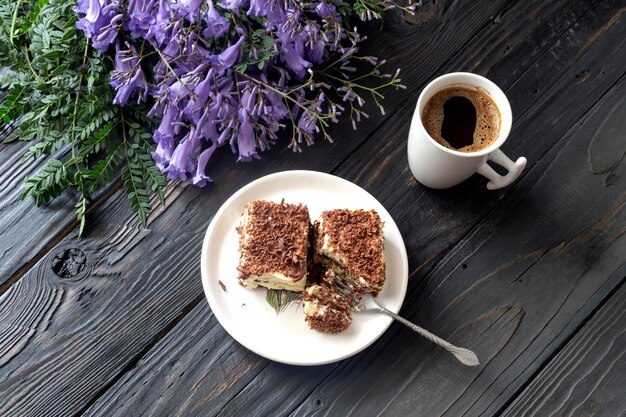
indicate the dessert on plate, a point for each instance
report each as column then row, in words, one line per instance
column 349, row 247
column 351, row 244
column 274, row 245
column 331, row 265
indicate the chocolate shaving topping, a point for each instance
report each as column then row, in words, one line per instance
column 222, row 285
column 274, row 239
column 356, row 236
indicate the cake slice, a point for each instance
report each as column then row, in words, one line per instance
column 273, row 245
column 326, row 309
column 351, row 244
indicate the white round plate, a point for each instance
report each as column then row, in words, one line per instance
column 246, row 315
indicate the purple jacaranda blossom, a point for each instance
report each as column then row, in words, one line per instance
column 94, row 20
column 161, row 22
column 211, row 86
column 228, row 57
column 234, row 5
column 108, row 34
column 223, row 138
column 200, row 178
column 181, row 162
column 217, row 25
column 328, row 11
column 259, row 7
column 81, row 6
column 127, row 78
column 141, row 17
column 163, row 153
column 189, row 9
column 246, row 138
column 277, row 108
column 277, row 103
column 206, row 128
column 200, row 95
column 275, row 14
column 203, row 89
column 315, row 53
column 166, row 128
column 292, row 53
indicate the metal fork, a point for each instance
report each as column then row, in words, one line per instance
column 465, row 356
column 365, row 301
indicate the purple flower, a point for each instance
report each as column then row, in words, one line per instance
column 258, row 7
column 292, row 52
column 190, row 64
column 315, row 54
column 200, row 178
column 217, row 26
column 141, row 17
column 246, row 140
column 228, row 57
column 166, row 128
column 163, row 152
column 276, row 14
column 190, row 9
column 127, row 78
column 278, row 107
column 233, row 5
column 101, row 23
column 181, row 162
column 162, row 19
column 328, row 11
column 81, row 6
column 108, row 34
column 93, row 20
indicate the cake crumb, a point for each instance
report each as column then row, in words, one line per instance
column 223, row 286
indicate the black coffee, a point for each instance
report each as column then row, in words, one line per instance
column 462, row 117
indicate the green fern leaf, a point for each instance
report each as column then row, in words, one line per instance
column 97, row 140
column 11, row 106
column 135, row 188
column 47, row 184
column 105, row 169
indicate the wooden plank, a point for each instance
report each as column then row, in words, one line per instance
column 545, row 250
column 18, row 216
column 588, row 376
column 25, row 249
column 134, row 286
column 431, row 216
column 277, row 389
column 29, row 232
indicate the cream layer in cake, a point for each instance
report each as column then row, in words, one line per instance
column 273, row 245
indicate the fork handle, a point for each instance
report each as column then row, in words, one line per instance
column 465, row 356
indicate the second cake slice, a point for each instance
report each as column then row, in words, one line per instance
column 351, row 244
column 273, row 245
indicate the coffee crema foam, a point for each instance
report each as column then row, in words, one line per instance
column 488, row 118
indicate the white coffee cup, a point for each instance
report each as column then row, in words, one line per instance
column 436, row 166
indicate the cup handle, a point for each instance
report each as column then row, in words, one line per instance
column 498, row 181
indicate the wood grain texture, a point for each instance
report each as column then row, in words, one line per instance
column 64, row 341
column 29, row 232
column 542, row 250
column 431, row 216
column 587, row 378
column 18, row 216
column 87, row 330
column 55, row 223
column 277, row 390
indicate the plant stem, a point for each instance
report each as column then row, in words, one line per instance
column 13, row 20
column 30, row 66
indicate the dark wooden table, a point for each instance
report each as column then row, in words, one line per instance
column 531, row 276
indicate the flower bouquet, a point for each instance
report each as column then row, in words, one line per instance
column 151, row 88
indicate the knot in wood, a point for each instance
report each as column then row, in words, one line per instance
column 69, row 263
